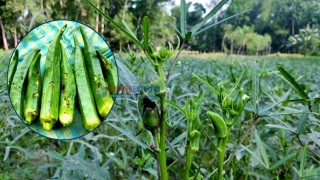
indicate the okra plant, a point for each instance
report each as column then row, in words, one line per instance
column 155, row 113
column 232, row 103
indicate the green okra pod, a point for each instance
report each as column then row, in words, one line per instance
column 110, row 73
column 219, row 124
column 17, row 90
column 85, row 97
column 149, row 113
column 13, row 67
column 51, row 83
column 32, row 108
column 99, row 87
column 68, row 91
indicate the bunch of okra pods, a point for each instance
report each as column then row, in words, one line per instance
column 51, row 97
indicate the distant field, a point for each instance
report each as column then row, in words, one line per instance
column 107, row 153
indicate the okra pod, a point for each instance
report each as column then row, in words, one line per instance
column 13, row 67
column 68, row 91
column 17, row 90
column 218, row 123
column 109, row 71
column 51, row 84
column 149, row 113
column 85, row 97
column 31, row 111
column 99, row 87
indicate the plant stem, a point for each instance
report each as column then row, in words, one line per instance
column 222, row 145
column 220, row 160
column 160, row 71
column 175, row 59
column 156, row 142
column 163, row 131
column 248, row 130
column 188, row 161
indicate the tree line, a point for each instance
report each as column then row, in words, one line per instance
column 290, row 26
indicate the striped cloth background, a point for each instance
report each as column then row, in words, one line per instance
column 40, row 37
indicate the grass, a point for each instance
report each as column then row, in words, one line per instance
column 109, row 153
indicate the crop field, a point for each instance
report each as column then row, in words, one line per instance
column 276, row 136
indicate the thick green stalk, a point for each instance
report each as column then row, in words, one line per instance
column 160, row 71
column 163, row 135
column 188, row 161
column 222, row 145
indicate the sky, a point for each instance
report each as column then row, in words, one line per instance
column 205, row 3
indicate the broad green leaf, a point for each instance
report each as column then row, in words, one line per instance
column 262, row 149
column 119, row 27
column 145, row 32
column 282, row 161
column 219, row 22
column 297, row 87
column 130, row 136
column 208, row 16
column 206, row 84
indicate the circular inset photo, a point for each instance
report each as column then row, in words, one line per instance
column 62, row 79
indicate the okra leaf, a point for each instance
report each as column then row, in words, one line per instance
column 110, row 159
column 55, row 155
column 145, row 32
column 93, row 149
column 130, row 136
column 119, row 27
column 298, row 100
column 176, row 29
column 208, row 16
column 281, row 127
column 206, row 84
column 128, row 29
column 126, row 77
column 282, row 161
column 179, row 138
column 255, row 88
column 219, row 22
column 262, row 149
column 256, row 157
column 297, row 87
column 173, row 104
column 183, row 17
column 235, row 84
column 303, row 159
column 7, row 152
column 302, row 120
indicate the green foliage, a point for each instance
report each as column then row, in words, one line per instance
column 126, row 153
column 307, row 41
column 245, row 39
